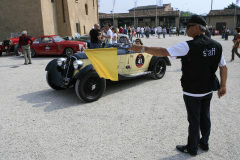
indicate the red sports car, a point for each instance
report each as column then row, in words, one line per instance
column 55, row 45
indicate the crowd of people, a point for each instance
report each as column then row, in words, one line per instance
column 108, row 36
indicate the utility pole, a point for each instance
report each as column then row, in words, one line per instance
column 156, row 12
column 211, row 4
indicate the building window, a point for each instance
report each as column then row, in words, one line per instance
column 86, row 9
column 77, row 27
column 84, row 29
column 93, row 4
column 53, row 1
column 76, row 1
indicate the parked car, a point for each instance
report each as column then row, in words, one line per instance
column 10, row 45
column 182, row 30
column 55, row 45
column 174, row 30
column 76, row 70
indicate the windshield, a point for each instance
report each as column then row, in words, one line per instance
column 58, row 39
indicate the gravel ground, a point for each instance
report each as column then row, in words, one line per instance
column 142, row 119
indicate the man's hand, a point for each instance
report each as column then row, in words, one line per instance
column 221, row 92
column 136, row 48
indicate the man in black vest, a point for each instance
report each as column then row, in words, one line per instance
column 200, row 59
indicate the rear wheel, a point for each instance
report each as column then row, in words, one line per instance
column 51, row 83
column 69, row 51
column 91, row 87
column 159, row 69
column 33, row 53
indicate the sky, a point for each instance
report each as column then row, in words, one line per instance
column 194, row 6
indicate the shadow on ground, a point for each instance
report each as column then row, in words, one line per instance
column 54, row 100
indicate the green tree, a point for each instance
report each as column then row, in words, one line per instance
column 186, row 14
column 232, row 6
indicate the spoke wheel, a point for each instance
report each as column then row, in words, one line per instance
column 69, row 51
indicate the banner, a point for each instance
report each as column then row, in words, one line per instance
column 104, row 61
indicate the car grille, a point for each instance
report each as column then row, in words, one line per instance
column 68, row 70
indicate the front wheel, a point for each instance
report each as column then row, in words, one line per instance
column 91, row 87
column 69, row 51
column 16, row 50
column 51, row 82
column 159, row 69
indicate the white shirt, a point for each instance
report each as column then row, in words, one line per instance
column 159, row 29
column 142, row 30
column 109, row 34
column 138, row 29
column 114, row 34
column 182, row 49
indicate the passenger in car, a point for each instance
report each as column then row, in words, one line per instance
column 138, row 42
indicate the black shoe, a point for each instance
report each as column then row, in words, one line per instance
column 30, row 63
column 25, row 63
column 203, row 147
column 185, row 150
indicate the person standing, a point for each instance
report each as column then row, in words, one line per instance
column 130, row 34
column 178, row 30
column 164, row 31
column 200, row 59
column 142, row 31
column 108, row 35
column 236, row 43
column 147, row 32
column 94, row 37
column 138, row 32
column 159, row 31
column 226, row 33
column 115, row 36
column 25, row 46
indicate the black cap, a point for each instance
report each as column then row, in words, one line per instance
column 196, row 19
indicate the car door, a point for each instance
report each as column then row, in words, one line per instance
column 136, row 63
column 48, row 46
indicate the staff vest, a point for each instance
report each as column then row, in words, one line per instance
column 200, row 64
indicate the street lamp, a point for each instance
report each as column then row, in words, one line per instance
column 113, row 16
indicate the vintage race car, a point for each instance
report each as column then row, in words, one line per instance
column 76, row 70
column 10, row 45
column 55, row 45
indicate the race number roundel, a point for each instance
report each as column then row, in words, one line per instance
column 139, row 60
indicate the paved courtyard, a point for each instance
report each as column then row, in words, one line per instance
column 139, row 119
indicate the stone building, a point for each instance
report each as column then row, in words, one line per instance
column 226, row 17
column 143, row 16
column 47, row 17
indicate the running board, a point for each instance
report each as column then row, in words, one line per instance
column 136, row 74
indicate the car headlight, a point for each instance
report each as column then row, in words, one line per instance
column 60, row 61
column 77, row 64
